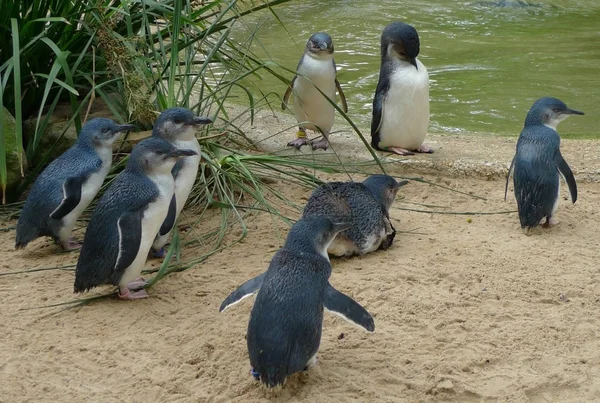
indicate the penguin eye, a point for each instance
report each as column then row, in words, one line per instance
column 177, row 121
column 105, row 130
column 555, row 110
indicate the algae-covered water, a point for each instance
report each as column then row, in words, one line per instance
column 487, row 60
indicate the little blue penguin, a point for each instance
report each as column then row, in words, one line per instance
column 68, row 185
column 538, row 162
column 313, row 111
column 366, row 205
column 177, row 126
column 286, row 321
column 401, row 103
column 127, row 219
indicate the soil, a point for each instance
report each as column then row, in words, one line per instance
column 466, row 307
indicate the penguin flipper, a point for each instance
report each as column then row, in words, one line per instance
column 243, row 291
column 130, row 237
column 512, row 164
column 71, row 196
column 169, row 222
column 378, row 101
column 288, row 92
column 342, row 96
column 566, row 172
column 341, row 304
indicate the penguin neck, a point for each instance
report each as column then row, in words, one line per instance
column 306, row 245
column 541, row 118
column 323, row 57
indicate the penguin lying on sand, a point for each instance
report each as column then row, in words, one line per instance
column 177, row 126
column 68, row 185
column 366, row 205
column 286, row 321
column 401, row 103
column 313, row 111
column 538, row 162
column 127, row 219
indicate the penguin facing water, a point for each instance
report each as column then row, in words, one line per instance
column 401, row 103
column 313, row 111
column 366, row 205
column 286, row 321
column 177, row 126
column 127, row 219
column 68, row 185
column 538, row 162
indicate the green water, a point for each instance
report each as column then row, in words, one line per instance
column 487, row 64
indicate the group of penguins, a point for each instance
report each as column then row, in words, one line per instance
column 135, row 216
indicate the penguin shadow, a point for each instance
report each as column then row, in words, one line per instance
column 45, row 249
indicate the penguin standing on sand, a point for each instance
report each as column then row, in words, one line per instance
column 286, row 321
column 127, row 219
column 538, row 162
column 366, row 205
column 401, row 103
column 177, row 126
column 68, row 185
column 313, row 111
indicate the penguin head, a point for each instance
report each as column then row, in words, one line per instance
column 101, row 132
column 400, row 41
column 384, row 188
column 320, row 44
column 177, row 124
column 156, row 155
column 549, row 112
column 314, row 234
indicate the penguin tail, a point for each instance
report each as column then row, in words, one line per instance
column 20, row 244
column 271, row 377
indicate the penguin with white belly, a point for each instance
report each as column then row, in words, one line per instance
column 315, row 75
column 178, row 126
column 68, row 185
column 127, row 219
column 401, row 103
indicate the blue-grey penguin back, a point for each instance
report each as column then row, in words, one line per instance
column 286, row 321
column 80, row 161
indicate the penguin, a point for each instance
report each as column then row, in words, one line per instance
column 313, row 111
column 401, row 103
column 127, row 219
column 68, row 185
column 177, row 126
column 286, row 321
column 366, row 205
column 537, row 163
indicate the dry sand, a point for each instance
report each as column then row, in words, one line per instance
column 467, row 308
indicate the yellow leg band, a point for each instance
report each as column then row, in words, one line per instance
column 300, row 134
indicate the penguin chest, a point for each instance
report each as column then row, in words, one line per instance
column 310, row 105
column 187, row 175
column 405, row 109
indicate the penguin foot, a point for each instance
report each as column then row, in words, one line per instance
column 424, row 149
column 137, row 284
column 71, row 244
column 126, row 294
column 158, row 254
column 311, row 363
column 399, row 151
column 298, row 143
column 550, row 222
column 320, row 144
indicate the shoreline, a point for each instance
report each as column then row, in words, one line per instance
column 484, row 156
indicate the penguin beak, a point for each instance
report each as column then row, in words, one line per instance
column 180, row 153
column 402, row 183
column 322, row 46
column 569, row 111
column 413, row 61
column 124, row 128
column 200, row 120
column 341, row 226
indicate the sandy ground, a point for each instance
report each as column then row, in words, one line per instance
column 466, row 307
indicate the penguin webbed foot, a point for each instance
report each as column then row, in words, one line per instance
column 137, row 284
column 298, row 143
column 425, row 149
column 126, row 294
column 320, row 144
column 71, row 244
column 550, row 222
column 158, row 254
column 399, row 151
